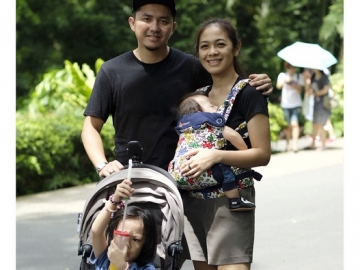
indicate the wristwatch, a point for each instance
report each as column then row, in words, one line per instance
column 100, row 166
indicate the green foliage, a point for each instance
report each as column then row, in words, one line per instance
column 190, row 15
column 98, row 64
column 337, row 114
column 49, row 151
column 333, row 23
column 277, row 121
column 81, row 31
column 63, row 89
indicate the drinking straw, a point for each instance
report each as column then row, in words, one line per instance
column 126, row 199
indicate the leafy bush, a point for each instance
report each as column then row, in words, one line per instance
column 277, row 121
column 49, row 151
column 337, row 114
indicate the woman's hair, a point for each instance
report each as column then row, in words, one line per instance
column 226, row 26
column 322, row 74
column 189, row 105
column 148, row 250
column 287, row 65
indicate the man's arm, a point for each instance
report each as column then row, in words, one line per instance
column 94, row 147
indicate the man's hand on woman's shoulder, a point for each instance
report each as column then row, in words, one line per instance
column 262, row 82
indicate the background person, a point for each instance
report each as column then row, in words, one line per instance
column 318, row 86
column 291, row 84
column 308, row 102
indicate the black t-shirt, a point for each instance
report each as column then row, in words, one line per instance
column 141, row 97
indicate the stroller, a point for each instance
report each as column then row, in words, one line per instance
column 155, row 190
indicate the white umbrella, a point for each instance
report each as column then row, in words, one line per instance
column 307, row 55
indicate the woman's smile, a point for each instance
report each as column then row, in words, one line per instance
column 214, row 62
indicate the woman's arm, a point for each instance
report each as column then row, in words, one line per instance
column 323, row 92
column 258, row 155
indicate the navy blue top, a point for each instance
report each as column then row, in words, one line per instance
column 102, row 262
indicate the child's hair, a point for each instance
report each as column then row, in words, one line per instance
column 189, row 105
column 148, row 251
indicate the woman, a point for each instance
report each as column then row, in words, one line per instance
column 216, row 236
column 318, row 86
column 199, row 125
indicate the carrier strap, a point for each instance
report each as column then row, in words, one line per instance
column 251, row 173
column 228, row 103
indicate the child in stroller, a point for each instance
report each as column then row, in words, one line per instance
column 140, row 250
column 154, row 190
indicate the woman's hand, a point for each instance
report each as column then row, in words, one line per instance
column 198, row 161
column 123, row 190
column 117, row 256
column 263, row 83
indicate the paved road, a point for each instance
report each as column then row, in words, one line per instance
column 299, row 216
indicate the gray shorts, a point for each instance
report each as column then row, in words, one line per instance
column 215, row 234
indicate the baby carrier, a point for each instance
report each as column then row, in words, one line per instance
column 208, row 184
column 156, row 191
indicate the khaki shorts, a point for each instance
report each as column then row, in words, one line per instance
column 215, row 234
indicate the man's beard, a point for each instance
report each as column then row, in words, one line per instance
column 152, row 49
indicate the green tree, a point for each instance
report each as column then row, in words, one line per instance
column 48, row 32
column 49, row 151
column 332, row 31
column 83, row 30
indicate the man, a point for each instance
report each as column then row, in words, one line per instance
column 140, row 88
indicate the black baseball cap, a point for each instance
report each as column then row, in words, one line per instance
column 169, row 3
